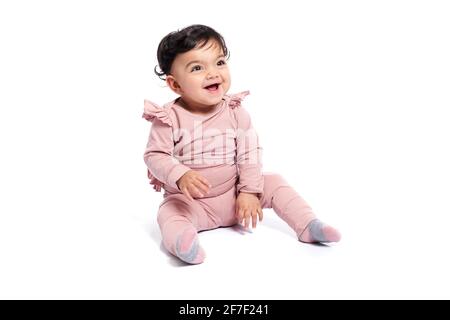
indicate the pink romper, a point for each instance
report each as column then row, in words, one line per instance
column 223, row 147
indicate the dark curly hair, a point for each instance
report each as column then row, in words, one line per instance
column 183, row 40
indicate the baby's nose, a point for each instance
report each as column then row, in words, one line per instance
column 212, row 74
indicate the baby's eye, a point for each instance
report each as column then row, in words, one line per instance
column 221, row 62
column 196, row 68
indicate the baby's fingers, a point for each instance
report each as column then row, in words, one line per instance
column 240, row 215
column 186, row 193
column 247, row 218
column 194, row 191
column 254, row 218
column 201, row 187
column 204, row 181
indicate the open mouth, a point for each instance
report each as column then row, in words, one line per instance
column 213, row 87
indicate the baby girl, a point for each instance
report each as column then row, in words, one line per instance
column 204, row 152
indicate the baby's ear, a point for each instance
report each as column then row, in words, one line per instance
column 173, row 84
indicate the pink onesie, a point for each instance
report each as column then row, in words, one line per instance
column 223, row 147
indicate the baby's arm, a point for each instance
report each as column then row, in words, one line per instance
column 159, row 158
column 250, row 185
column 248, row 155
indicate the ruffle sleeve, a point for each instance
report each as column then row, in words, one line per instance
column 157, row 185
column 152, row 111
column 235, row 100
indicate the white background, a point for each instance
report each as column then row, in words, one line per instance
column 350, row 99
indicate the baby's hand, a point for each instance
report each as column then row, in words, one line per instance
column 193, row 184
column 248, row 206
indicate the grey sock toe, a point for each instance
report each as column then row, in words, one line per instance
column 190, row 255
column 315, row 230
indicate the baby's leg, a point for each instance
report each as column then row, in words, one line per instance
column 293, row 209
column 179, row 221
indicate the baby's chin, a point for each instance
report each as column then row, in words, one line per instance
column 211, row 101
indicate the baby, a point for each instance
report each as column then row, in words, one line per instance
column 203, row 151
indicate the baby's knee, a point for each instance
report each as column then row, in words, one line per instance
column 161, row 219
column 176, row 210
column 172, row 218
column 273, row 180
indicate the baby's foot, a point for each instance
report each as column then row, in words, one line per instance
column 317, row 231
column 188, row 248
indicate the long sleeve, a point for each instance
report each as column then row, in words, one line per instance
column 248, row 155
column 159, row 158
column 163, row 167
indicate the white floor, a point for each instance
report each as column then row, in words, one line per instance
column 114, row 251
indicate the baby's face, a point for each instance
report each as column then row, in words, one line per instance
column 200, row 76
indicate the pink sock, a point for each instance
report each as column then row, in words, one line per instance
column 317, row 231
column 188, row 249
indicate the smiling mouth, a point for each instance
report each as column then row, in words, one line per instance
column 213, row 87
